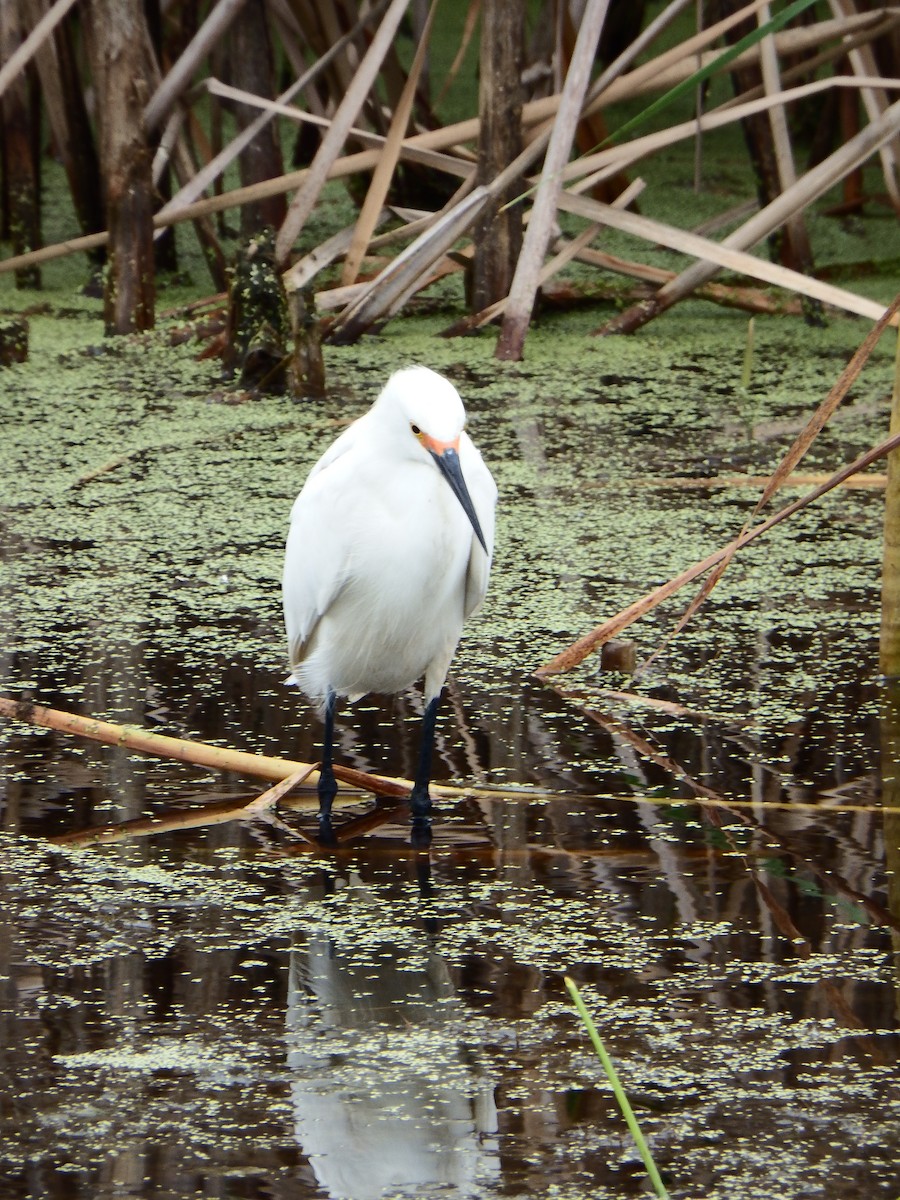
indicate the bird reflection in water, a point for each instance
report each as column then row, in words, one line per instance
column 387, row 1094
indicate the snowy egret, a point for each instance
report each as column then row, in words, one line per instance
column 389, row 551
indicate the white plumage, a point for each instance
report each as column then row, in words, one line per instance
column 389, row 551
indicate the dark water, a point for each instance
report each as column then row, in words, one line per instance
column 223, row 1011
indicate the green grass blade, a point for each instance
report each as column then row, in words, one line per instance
column 618, row 1091
column 688, row 85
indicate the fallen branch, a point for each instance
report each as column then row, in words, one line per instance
column 376, row 196
column 221, row 758
column 364, row 77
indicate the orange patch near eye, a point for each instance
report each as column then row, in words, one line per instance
column 438, row 447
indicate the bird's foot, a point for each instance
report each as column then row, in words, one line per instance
column 327, row 791
column 327, row 836
column 420, row 806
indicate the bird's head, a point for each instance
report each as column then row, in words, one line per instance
column 426, row 408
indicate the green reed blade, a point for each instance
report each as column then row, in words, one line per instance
column 618, row 1091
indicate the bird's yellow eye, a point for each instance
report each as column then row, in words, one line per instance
column 416, row 430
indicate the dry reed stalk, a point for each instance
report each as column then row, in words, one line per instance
column 534, row 114
column 387, row 163
column 568, row 250
column 715, row 255
column 38, row 36
column 523, row 290
column 669, row 68
column 836, row 395
column 179, row 76
column 214, row 169
column 569, row 658
column 748, row 299
column 404, row 271
column 410, row 149
column 469, row 27
column 595, row 167
column 862, row 60
column 304, row 201
column 807, row 189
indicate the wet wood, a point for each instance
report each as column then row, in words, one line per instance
column 306, row 369
column 258, row 329
column 217, row 758
column 118, row 40
column 619, row 654
column 497, row 234
column 21, row 147
column 252, row 68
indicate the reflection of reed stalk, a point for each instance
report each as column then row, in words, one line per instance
column 889, row 640
column 618, row 1091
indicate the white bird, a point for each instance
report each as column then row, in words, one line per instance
column 389, row 551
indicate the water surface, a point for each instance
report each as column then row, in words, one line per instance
column 223, row 1011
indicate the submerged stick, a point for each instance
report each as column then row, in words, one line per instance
column 217, row 813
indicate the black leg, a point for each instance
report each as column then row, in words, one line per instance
column 419, row 799
column 327, row 782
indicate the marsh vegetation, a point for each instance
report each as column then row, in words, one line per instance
column 707, row 848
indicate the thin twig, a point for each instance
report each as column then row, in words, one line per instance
column 579, row 650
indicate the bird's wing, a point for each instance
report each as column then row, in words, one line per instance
column 315, row 559
column 483, row 491
column 341, row 445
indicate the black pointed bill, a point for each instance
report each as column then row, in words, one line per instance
column 448, row 461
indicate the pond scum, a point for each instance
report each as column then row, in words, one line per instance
column 707, row 850
column 220, row 1001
